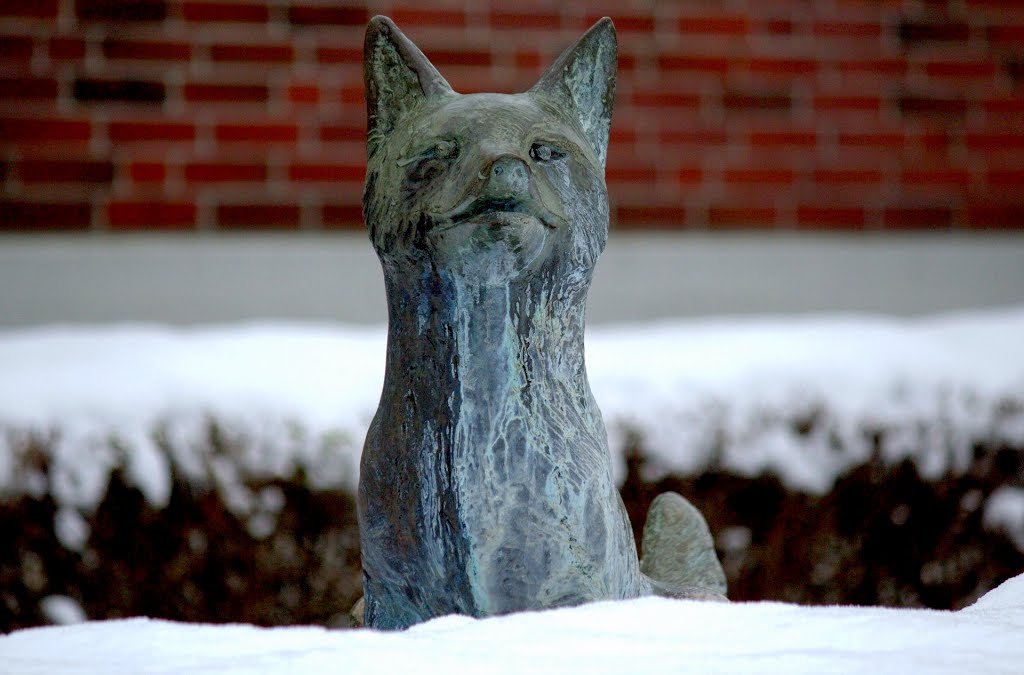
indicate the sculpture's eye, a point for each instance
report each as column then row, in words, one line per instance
column 431, row 161
column 542, row 152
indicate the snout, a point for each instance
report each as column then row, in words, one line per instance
column 508, row 177
column 505, row 186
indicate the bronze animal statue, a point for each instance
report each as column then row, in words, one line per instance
column 485, row 483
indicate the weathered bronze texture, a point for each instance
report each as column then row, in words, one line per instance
column 485, row 484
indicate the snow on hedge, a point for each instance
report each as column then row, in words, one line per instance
column 646, row 635
column 805, row 398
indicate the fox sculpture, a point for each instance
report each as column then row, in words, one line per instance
column 485, row 481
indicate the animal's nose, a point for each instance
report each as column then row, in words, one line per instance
column 508, row 177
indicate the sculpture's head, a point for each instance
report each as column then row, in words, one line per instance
column 487, row 187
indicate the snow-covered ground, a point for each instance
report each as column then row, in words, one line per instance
column 646, row 635
column 805, row 398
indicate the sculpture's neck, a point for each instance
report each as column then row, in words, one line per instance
column 490, row 341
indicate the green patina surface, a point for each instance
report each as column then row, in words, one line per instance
column 485, row 484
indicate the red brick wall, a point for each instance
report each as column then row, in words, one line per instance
column 248, row 114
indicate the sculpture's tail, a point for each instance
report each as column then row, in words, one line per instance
column 678, row 551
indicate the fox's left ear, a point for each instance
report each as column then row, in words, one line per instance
column 398, row 78
column 583, row 79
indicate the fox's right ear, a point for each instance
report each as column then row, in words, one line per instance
column 397, row 76
column 582, row 82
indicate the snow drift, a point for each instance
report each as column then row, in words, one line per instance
column 652, row 634
column 804, row 399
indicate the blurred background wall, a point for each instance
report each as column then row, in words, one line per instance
column 855, row 118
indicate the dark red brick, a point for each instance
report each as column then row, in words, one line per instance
column 343, row 133
column 759, row 176
column 616, row 173
column 846, row 176
column 65, row 171
column 932, row 106
column 774, row 27
column 665, row 99
column 327, row 173
column 258, row 216
column 353, row 94
column 214, row 172
column 981, row 140
column 879, row 139
column 147, row 172
column 912, row 32
column 1015, row 69
column 38, row 130
column 689, row 136
column 620, row 137
column 1009, row 105
column 28, row 88
column 15, row 47
column 858, row 102
column 24, row 216
column 1011, row 34
column 693, row 63
column 339, row 55
column 529, row 59
column 847, row 29
column 884, row 68
column 299, row 93
column 689, row 175
column 263, row 132
column 741, row 216
column 121, row 10
column 138, row 215
column 1007, row 178
column 918, row 218
column 658, row 216
column 459, row 57
column 209, row 93
column 830, row 217
column 804, row 139
column 945, row 177
column 749, row 102
column 35, row 9
column 253, row 53
column 934, row 141
column 324, row 15
column 146, row 51
column 123, row 91
column 774, row 67
column 989, row 216
column 134, row 131
column 960, row 69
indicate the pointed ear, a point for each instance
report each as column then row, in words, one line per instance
column 397, row 77
column 583, row 79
